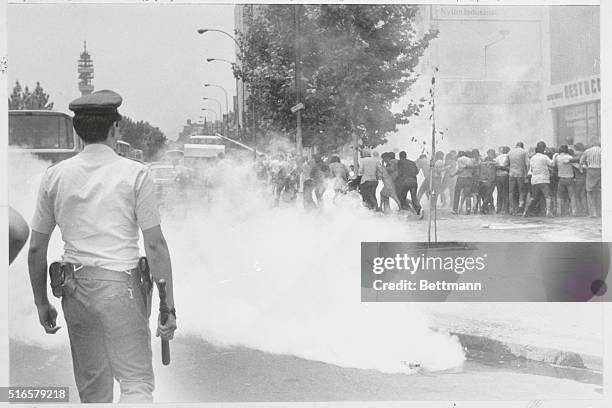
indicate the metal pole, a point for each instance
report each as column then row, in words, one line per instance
column 432, row 197
column 355, row 138
column 243, row 121
column 216, row 116
column 355, row 150
column 227, row 113
column 226, row 102
column 298, row 85
column 217, row 101
column 236, row 110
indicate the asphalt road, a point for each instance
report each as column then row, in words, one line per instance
column 200, row 372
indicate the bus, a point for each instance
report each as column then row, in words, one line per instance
column 48, row 135
column 201, row 146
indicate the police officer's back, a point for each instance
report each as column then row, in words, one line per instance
column 100, row 200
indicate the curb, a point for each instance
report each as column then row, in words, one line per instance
column 514, row 351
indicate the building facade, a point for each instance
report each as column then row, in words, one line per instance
column 492, row 71
column 573, row 97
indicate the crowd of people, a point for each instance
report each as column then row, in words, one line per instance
column 564, row 181
column 542, row 181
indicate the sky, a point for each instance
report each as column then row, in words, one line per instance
column 149, row 54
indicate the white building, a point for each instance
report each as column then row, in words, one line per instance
column 493, row 68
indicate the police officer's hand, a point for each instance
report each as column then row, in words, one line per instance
column 166, row 331
column 47, row 315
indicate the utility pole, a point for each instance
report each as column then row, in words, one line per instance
column 432, row 194
column 298, row 85
column 354, row 136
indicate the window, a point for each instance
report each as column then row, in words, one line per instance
column 593, row 123
column 32, row 131
column 206, row 140
column 579, row 123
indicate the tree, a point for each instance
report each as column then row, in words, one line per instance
column 142, row 135
column 24, row 99
column 15, row 100
column 356, row 61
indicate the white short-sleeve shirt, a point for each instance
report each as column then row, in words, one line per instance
column 99, row 200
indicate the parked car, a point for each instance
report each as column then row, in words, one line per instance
column 165, row 179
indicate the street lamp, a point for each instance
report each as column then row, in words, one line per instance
column 213, row 111
column 226, row 103
column 220, row 59
column 206, row 30
column 233, row 66
column 215, row 100
column 503, row 34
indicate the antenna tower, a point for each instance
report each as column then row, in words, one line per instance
column 86, row 71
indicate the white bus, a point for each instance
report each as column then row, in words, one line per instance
column 200, row 146
column 47, row 134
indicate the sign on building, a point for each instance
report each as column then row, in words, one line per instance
column 574, row 92
column 509, row 13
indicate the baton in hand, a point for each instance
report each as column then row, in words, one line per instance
column 163, row 318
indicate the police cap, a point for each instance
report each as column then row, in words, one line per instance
column 101, row 102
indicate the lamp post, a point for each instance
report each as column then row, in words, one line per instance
column 233, row 65
column 213, row 111
column 203, row 121
column 226, row 103
column 206, row 30
column 504, row 34
column 215, row 100
column 220, row 59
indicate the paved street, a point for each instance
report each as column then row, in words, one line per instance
column 200, row 372
column 505, row 228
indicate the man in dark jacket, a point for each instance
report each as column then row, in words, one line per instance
column 406, row 181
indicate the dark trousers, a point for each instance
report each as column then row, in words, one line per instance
column 464, row 184
column 368, row 193
column 502, row 184
column 566, row 193
column 283, row 184
column 402, row 191
column 109, row 338
column 485, row 195
column 517, row 192
column 539, row 191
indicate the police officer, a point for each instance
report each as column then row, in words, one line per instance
column 99, row 200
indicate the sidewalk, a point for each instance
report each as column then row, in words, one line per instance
column 564, row 334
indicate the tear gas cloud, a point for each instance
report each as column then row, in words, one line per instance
column 278, row 280
column 473, row 112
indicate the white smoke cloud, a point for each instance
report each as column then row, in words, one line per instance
column 280, row 280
